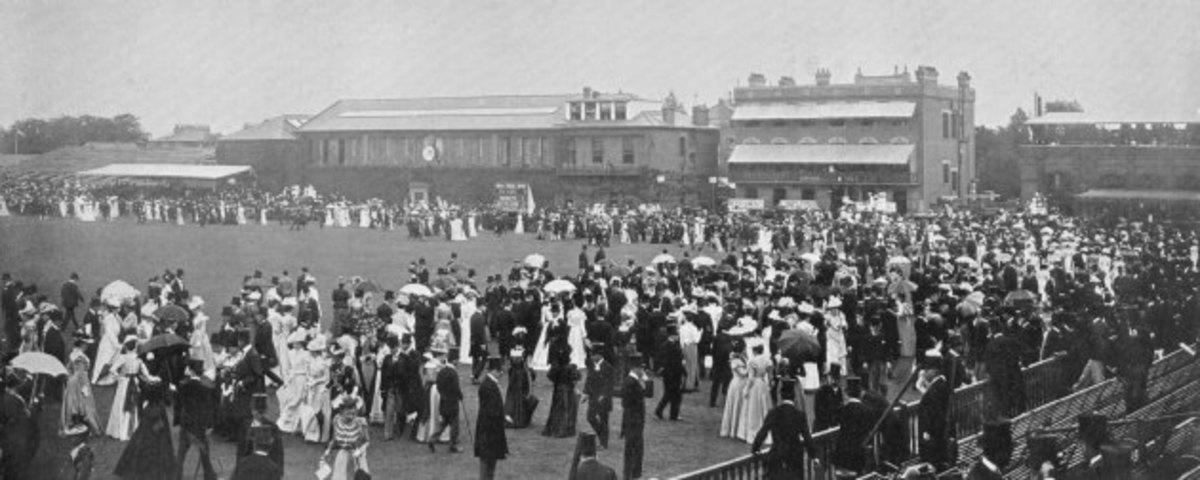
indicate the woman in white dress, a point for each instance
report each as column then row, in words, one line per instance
column 291, row 395
column 467, row 309
column 757, row 401
column 835, row 333
column 201, row 346
column 736, row 394
column 376, row 415
column 432, row 411
column 316, row 412
column 551, row 316
column 282, row 324
column 576, row 333
column 689, row 340
column 123, row 417
column 109, row 348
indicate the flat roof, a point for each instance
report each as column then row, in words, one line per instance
column 1155, row 195
column 1083, row 118
column 821, row 154
column 167, row 170
column 823, row 110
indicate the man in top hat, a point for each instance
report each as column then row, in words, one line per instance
column 262, row 426
column 933, row 411
column 491, row 441
column 196, row 403
column 788, row 427
column 258, row 465
column 479, row 339
column 70, row 297
column 91, row 327
column 451, row 395
column 81, row 455
column 855, row 419
column 828, row 400
column 672, row 370
column 633, row 420
column 586, row 466
column 247, row 381
column 599, row 390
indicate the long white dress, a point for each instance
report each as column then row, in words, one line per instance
column 201, row 346
column 376, row 415
column 735, row 398
column 316, row 410
column 540, row 361
column 457, row 233
column 291, row 396
column 281, row 327
column 576, row 332
column 425, row 429
column 467, row 310
column 106, row 352
column 835, row 338
column 121, row 421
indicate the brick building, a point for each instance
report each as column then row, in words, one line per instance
column 270, row 147
column 584, row 147
column 904, row 136
column 1078, row 157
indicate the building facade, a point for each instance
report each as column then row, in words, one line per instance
column 909, row 140
column 1073, row 157
column 270, row 147
column 587, row 147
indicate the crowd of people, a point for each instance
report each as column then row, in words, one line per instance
column 815, row 305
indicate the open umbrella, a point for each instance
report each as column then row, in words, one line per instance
column 810, row 257
column 558, row 286
column 967, row 261
column 726, row 269
column 172, row 313
column 535, row 260
column 899, row 260
column 416, row 289
column 39, row 363
column 703, row 261
column 367, row 286
column 663, row 258
column 163, row 342
column 118, row 292
column 799, row 347
column 1022, row 298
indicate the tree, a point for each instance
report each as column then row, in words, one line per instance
column 1063, row 106
column 997, row 157
column 33, row 135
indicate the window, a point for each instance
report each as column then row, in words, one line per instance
column 751, row 192
column 945, row 171
column 779, row 141
column 899, row 123
column 341, row 151
column 576, row 111
column 954, row 178
column 570, row 158
column 619, row 111
column 868, row 141
column 597, row 151
column 899, row 141
column 808, row 194
column 867, row 122
column 807, row 141
column 837, row 123
column 322, row 151
column 837, row 141
column 589, row 110
column 627, row 150
column 683, row 146
column 945, row 124
column 606, row 111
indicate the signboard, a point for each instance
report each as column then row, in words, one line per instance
column 793, row 204
column 514, row 197
column 745, row 204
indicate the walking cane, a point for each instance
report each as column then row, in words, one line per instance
column 467, row 419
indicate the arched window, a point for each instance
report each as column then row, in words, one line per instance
column 682, row 146
column 751, row 141
column 868, row 141
column 837, row 141
column 900, row 141
column 779, row 141
column 807, row 141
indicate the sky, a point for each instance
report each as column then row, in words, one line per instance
column 226, row 63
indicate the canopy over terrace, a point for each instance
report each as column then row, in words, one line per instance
column 207, row 176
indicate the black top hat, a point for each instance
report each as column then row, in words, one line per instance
column 587, row 444
column 495, row 362
column 854, row 386
column 635, row 359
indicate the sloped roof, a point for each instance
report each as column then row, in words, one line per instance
column 821, row 154
column 1153, row 195
column 276, row 128
column 1084, row 118
column 167, row 170
column 93, row 155
column 512, row 112
column 194, row 135
column 823, row 110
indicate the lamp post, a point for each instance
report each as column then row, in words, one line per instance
column 713, row 203
column 658, row 182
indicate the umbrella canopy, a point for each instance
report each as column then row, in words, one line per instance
column 416, row 289
column 1019, row 297
column 799, row 347
column 172, row 313
column 727, row 269
column 559, row 286
column 39, row 363
column 118, row 292
column 620, row 270
column 166, row 341
column 899, row 260
column 703, row 261
column 810, row 257
column 367, row 286
column 663, row 258
column 535, row 260
column 968, row 261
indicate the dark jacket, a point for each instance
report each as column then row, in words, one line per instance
column 196, row 403
column 633, row 400
column 599, row 385
column 592, row 469
column 491, row 441
column 448, row 389
column 69, row 295
column 855, row 419
column 257, row 467
column 788, row 428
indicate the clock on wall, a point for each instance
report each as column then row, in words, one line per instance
column 429, row 153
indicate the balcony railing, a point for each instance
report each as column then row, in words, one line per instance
column 590, row 169
column 821, row 178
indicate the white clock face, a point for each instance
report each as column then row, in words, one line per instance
column 428, row 153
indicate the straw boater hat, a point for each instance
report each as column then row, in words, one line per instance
column 317, row 344
column 196, row 302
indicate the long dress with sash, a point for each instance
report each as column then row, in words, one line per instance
column 123, row 418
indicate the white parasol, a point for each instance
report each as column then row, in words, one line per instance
column 663, row 258
column 559, row 286
column 118, row 292
column 416, row 289
column 535, row 260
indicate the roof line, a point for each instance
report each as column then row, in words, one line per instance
column 448, row 97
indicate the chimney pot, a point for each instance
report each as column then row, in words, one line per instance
column 757, row 80
column 823, row 76
column 787, row 81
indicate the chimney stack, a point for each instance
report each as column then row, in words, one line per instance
column 786, row 81
column 587, row 93
column 669, row 107
column 964, row 80
column 757, row 80
column 823, row 76
column 700, row 115
column 927, row 74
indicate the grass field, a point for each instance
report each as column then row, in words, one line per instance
column 216, row 258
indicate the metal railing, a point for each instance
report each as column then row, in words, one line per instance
column 1045, row 381
column 748, row 467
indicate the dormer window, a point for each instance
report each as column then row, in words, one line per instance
column 606, row 111
column 837, row 141
column 619, row 111
column 576, row 111
column 868, row 141
column 589, row 110
column 807, row 141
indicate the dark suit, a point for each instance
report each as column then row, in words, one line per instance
column 91, row 322
column 1006, row 383
column 592, row 469
column 391, row 385
column 933, row 417
column 502, row 331
column 671, row 364
column 633, row 422
column 196, row 403
column 599, row 390
column 721, row 371
column 491, row 442
column 479, row 344
column 70, row 297
column 257, row 467
column 788, row 427
column 17, row 427
column 55, row 345
column 248, row 378
column 451, row 394
column 855, row 419
column 826, row 405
